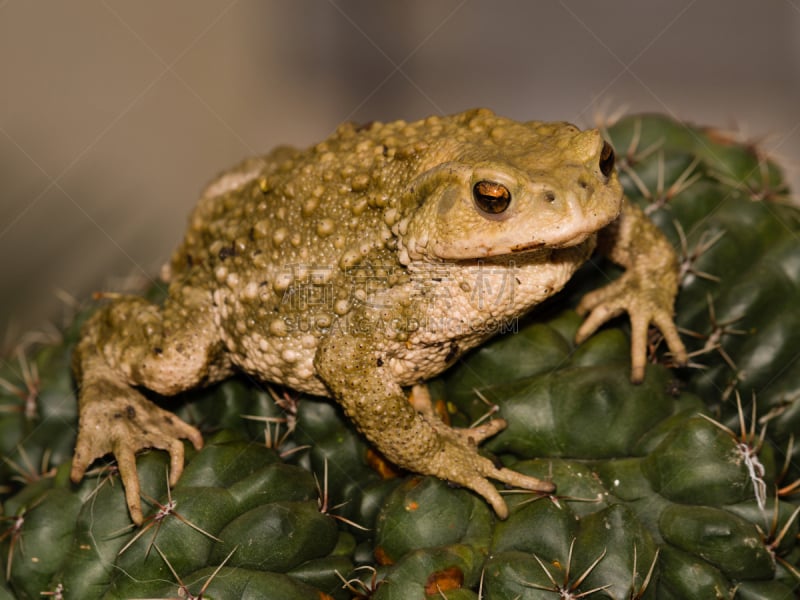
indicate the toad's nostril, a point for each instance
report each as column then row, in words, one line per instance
column 550, row 196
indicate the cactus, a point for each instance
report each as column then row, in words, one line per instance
column 685, row 486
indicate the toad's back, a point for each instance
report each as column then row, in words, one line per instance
column 324, row 204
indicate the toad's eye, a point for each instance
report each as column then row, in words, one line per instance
column 491, row 197
column 606, row 159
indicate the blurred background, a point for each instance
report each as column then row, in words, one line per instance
column 115, row 114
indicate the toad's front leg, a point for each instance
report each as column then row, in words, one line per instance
column 129, row 343
column 363, row 384
column 646, row 290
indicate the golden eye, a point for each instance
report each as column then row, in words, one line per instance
column 606, row 159
column 491, row 197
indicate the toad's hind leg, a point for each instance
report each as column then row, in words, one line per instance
column 417, row 441
column 132, row 342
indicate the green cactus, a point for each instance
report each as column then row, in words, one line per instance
column 684, row 486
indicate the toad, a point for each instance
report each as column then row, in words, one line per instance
column 367, row 264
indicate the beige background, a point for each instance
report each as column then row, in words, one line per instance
column 114, row 114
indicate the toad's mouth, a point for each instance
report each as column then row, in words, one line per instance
column 539, row 253
column 567, row 242
column 503, row 248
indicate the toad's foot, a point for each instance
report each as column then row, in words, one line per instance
column 116, row 419
column 458, row 461
column 645, row 305
column 420, row 399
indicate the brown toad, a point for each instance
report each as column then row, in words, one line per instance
column 365, row 264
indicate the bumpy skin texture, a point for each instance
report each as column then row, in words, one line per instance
column 365, row 264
